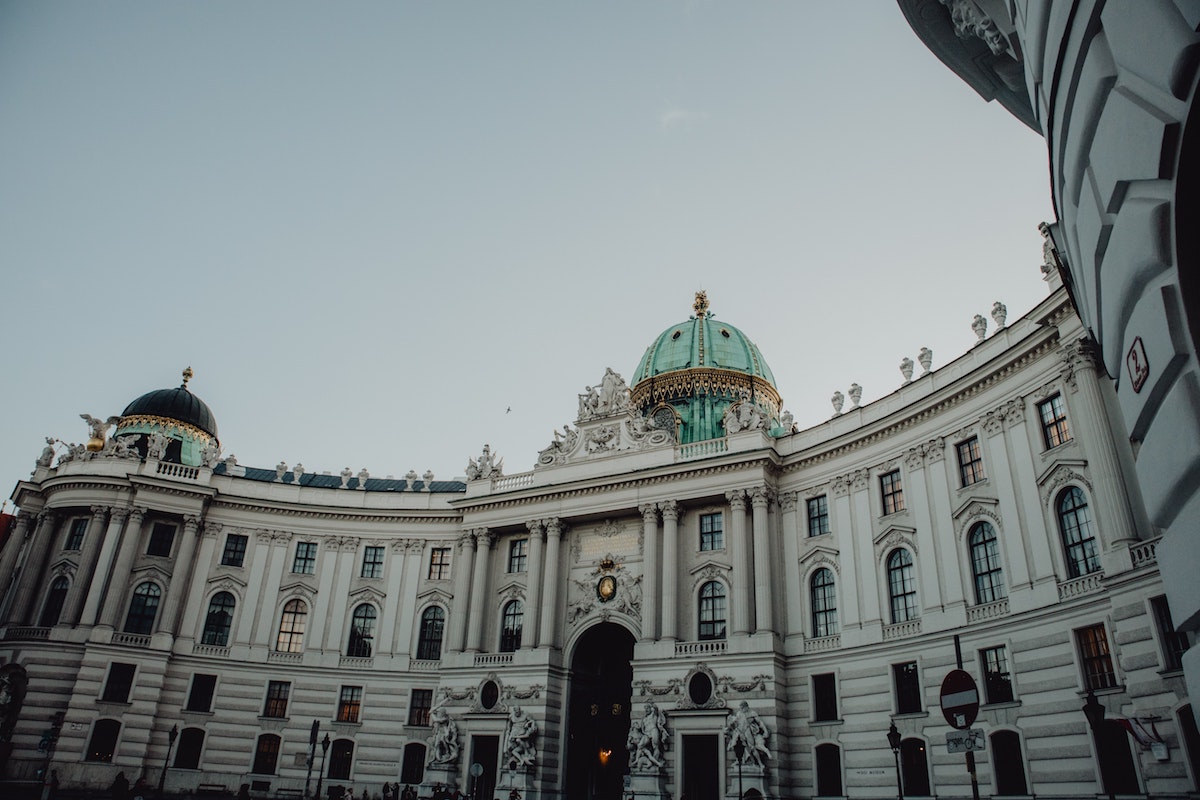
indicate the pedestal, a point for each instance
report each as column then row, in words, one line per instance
column 445, row 774
column 647, row 786
column 754, row 777
column 511, row 779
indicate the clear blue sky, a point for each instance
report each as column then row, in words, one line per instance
column 373, row 228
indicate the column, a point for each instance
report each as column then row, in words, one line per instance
column 764, row 615
column 35, row 561
column 394, row 574
column 461, row 564
column 939, row 492
column 740, row 593
column 484, row 539
column 547, row 635
column 649, row 571
column 1115, row 518
column 114, row 600
column 670, row 570
column 849, row 590
column 414, row 551
column 92, row 542
column 8, row 560
column 188, row 544
column 533, row 592
column 793, row 598
column 264, row 570
column 1033, row 520
column 1010, row 535
column 918, row 505
column 98, row 581
column 328, row 613
column 869, row 576
column 195, row 603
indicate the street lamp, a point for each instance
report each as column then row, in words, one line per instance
column 1094, row 711
column 162, row 776
column 894, row 742
column 324, row 750
column 312, row 752
column 739, row 750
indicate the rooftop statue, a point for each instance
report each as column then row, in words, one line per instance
column 486, row 467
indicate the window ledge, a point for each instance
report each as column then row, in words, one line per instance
column 1171, row 672
column 261, row 719
column 826, row 722
column 911, row 715
column 1000, row 705
column 114, row 703
column 1118, row 689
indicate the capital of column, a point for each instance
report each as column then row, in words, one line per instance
column 760, row 496
column 212, row 530
column 554, row 527
column 100, row 512
column 787, row 501
column 649, row 512
column 669, row 509
column 191, row 524
column 118, row 514
column 484, row 538
column 935, row 450
column 46, row 517
column 466, row 540
column 737, row 499
column 536, row 527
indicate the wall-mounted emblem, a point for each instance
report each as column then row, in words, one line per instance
column 606, row 588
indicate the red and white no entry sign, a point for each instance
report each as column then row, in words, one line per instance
column 960, row 699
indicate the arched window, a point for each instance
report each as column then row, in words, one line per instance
column 362, row 631
column 824, row 603
column 902, row 587
column 52, row 608
column 1075, row 525
column 1007, row 764
column 143, row 609
column 985, row 564
column 341, row 759
column 219, row 620
column 829, row 770
column 104, row 740
column 413, row 769
column 266, row 754
column 191, row 742
column 510, row 628
column 712, row 611
column 291, row 627
column 429, row 641
column 914, row 766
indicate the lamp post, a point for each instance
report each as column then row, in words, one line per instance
column 893, row 737
column 162, row 776
column 739, row 750
column 312, row 752
column 1094, row 711
column 324, row 750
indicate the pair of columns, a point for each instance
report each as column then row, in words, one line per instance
column 751, row 600
column 472, row 606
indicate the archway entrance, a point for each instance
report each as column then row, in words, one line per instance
column 598, row 714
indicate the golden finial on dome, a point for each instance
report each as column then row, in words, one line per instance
column 701, row 304
column 187, row 376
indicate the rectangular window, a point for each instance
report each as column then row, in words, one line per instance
column 75, row 534
column 277, row 699
column 818, row 515
column 997, row 680
column 201, row 696
column 372, row 562
column 1097, row 661
column 119, row 683
column 892, row 491
column 908, row 688
column 419, row 707
column 1174, row 644
column 305, row 562
column 234, row 554
column 439, row 563
column 970, row 461
column 517, row 558
column 1054, row 421
column 712, row 532
column 349, row 704
column 162, row 536
column 824, row 689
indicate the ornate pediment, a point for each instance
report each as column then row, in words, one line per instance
column 897, row 536
column 1059, row 474
column 368, row 593
column 435, row 595
column 229, row 583
column 513, row 590
column 298, row 588
column 820, row 554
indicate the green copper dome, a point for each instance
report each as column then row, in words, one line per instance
column 698, row 368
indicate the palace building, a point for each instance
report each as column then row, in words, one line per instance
column 685, row 595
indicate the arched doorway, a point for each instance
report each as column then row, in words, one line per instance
column 598, row 713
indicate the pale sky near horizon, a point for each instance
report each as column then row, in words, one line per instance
column 384, row 234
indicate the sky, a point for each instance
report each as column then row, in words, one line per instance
column 385, row 234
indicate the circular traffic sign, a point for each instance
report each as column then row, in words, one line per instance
column 476, row 769
column 960, row 699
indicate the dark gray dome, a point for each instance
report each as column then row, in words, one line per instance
column 177, row 404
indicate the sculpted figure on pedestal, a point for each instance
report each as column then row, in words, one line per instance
column 47, row 456
column 855, row 394
column 906, row 369
column 346, row 474
column 123, row 446
column 838, row 401
column 745, row 726
column 443, row 738
column 979, row 325
column 210, row 455
column 647, row 740
column 485, row 467
column 999, row 314
column 98, row 429
column 157, row 445
column 519, row 737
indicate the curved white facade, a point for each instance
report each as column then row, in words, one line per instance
column 823, row 578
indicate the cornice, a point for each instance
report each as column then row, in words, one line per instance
column 383, row 515
column 957, row 398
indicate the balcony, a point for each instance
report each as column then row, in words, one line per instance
column 706, row 648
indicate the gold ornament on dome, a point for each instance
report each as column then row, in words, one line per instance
column 697, row 381
column 700, row 306
column 187, row 376
column 168, row 424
